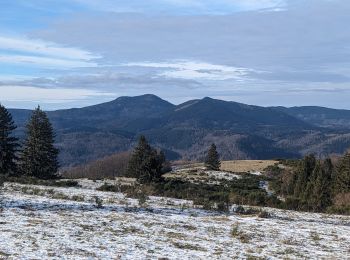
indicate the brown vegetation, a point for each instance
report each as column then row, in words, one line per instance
column 108, row 167
column 246, row 165
column 342, row 200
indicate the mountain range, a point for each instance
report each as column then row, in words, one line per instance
column 185, row 131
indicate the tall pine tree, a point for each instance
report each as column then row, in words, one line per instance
column 39, row 156
column 212, row 160
column 342, row 176
column 308, row 198
column 8, row 143
column 304, row 172
column 146, row 164
column 322, row 192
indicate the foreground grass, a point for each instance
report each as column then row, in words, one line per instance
column 35, row 225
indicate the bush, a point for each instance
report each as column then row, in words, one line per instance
column 108, row 167
column 242, row 211
column 223, row 207
column 235, row 230
column 65, row 183
column 341, row 204
column 239, row 234
column 211, row 197
column 142, row 199
column 36, row 181
column 98, row 202
column 292, row 203
column 109, row 187
column 264, row 214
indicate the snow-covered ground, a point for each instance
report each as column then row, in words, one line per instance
column 222, row 175
column 196, row 175
column 39, row 222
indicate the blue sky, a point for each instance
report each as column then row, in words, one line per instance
column 73, row 53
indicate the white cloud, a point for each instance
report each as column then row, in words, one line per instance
column 194, row 70
column 40, row 47
column 26, row 51
column 257, row 4
column 42, row 95
column 181, row 6
column 44, row 61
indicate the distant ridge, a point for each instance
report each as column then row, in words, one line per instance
column 240, row 131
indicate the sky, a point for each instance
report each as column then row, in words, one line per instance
column 75, row 53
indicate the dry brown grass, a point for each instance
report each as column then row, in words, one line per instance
column 195, row 172
column 246, row 165
column 233, row 166
column 342, row 199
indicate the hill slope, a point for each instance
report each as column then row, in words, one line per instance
column 320, row 116
column 186, row 130
column 166, row 229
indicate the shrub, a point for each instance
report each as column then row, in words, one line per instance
column 66, row 183
column 242, row 211
column 35, row 181
column 239, row 210
column 341, row 204
column 235, row 230
column 98, row 202
column 60, row 196
column 142, row 199
column 264, row 214
column 108, row 167
column 222, row 207
column 237, row 233
column 78, row 198
column 109, row 187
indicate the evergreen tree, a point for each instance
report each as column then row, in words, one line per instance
column 322, row 192
column 304, row 172
column 342, row 175
column 146, row 164
column 307, row 196
column 212, row 160
column 39, row 156
column 8, row 143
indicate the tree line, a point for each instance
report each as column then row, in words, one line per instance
column 317, row 185
column 36, row 156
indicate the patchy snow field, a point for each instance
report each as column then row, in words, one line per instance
column 39, row 222
column 195, row 175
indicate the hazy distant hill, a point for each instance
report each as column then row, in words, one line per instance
column 321, row 116
column 186, row 130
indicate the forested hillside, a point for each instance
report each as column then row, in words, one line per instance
column 186, row 130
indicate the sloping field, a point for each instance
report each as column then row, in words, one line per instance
column 246, row 165
column 233, row 166
column 38, row 222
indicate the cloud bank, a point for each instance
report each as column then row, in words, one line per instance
column 261, row 52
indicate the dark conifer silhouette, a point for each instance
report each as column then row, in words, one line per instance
column 8, row 143
column 39, row 156
column 322, row 192
column 212, row 161
column 305, row 171
column 342, row 175
column 146, row 164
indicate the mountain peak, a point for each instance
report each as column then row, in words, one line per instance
column 145, row 97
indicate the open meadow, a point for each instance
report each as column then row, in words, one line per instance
column 39, row 222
